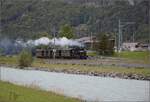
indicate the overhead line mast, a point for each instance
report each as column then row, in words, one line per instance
column 120, row 35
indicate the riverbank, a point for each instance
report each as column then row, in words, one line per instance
column 15, row 93
column 94, row 67
column 123, row 73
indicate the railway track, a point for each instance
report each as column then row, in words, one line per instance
column 118, row 62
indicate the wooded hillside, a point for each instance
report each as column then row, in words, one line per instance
column 27, row 18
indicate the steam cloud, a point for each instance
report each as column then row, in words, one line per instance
column 58, row 41
column 9, row 47
column 64, row 41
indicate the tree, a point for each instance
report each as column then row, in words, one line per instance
column 42, row 34
column 106, row 45
column 19, row 19
column 66, row 31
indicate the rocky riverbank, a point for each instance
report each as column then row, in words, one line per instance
column 103, row 74
column 100, row 74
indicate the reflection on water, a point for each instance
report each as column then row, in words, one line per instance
column 86, row 87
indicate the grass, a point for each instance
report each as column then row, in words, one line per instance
column 139, row 55
column 14, row 93
column 9, row 60
column 38, row 63
column 92, row 54
column 97, row 69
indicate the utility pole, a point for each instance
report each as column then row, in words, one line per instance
column 133, row 37
column 54, row 49
column 116, row 39
column 120, row 35
column 0, row 73
column 91, row 37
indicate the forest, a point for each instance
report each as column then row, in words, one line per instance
column 27, row 19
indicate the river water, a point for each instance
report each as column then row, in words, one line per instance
column 90, row 88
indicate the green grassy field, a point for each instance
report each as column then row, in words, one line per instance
column 9, row 60
column 14, row 93
column 136, row 56
column 92, row 54
column 139, row 55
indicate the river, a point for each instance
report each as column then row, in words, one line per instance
column 90, row 88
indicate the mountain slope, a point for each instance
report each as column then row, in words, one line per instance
column 26, row 18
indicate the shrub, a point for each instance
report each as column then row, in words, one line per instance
column 25, row 59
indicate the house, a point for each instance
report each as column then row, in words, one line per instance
column 92, row 42
column 135, row 46
column 88, row 42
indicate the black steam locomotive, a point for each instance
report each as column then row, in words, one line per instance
column 72, row 53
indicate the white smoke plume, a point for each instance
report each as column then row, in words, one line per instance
column 64, row 42
column 58, row 41
column 43, row 41
column 14, row 47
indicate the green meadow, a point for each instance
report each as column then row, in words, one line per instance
column 15, row 93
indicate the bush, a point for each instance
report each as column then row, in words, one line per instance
column 25, row 59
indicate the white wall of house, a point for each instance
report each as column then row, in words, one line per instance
column 133, row 47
